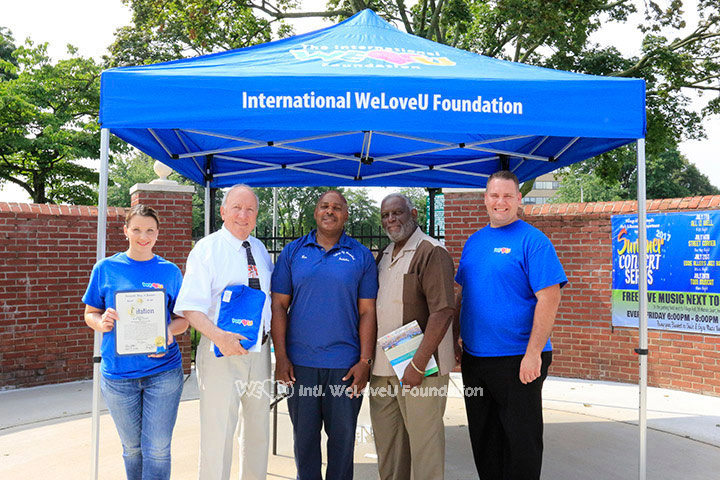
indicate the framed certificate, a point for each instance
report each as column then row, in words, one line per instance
column 142, row 325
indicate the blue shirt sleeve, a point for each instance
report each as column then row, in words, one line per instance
column 93, row 296
column 282, row 276
column 369, row 282
column 544, row 267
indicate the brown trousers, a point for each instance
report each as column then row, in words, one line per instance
column 408, row 428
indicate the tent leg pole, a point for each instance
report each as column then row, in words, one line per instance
column 274, row 246
column 275, row 214
column 275, row 390
column 213, row 216
column 101, row 233
column 207, row 208
column 643, row 324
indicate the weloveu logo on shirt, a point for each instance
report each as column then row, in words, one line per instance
column 503, row 250
column 242, row 321
column 152, row 285
column 343, row 255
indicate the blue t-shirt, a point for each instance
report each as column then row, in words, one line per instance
column 325, row 287
column 118, row 273
column 500, row 270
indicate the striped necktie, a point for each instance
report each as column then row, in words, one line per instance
column 253, row 277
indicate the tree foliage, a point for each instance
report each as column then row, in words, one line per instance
column 48, row 123
column 126, row 171
column 137, row 167
column 418, row 196
column 173, row 29
column 364, row 213
column 668, row 175
column 296, row 206
column 8, row 63
column 557, row 34
column 672, row 65
column 576, row 186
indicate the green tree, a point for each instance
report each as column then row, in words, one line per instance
column 198, row 209
column 419, row 198
column 586, row 187
column 295, row 209
column 296, row 206
column 137, row 167
column 48, row 123
column 124, row 172
column 364, row 213
column 8, row 63
column 173, row 29
column 668, row 175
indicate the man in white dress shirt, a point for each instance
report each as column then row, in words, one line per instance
column 221, row 259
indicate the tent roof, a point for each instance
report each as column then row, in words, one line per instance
column 362, row 103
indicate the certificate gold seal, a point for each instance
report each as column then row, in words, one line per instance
column 160, row 344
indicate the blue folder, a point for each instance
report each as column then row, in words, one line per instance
column 240, row 312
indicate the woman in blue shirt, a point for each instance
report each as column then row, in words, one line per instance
column 142, row 392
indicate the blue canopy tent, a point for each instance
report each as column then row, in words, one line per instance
column 364, row 104
column 361, row 103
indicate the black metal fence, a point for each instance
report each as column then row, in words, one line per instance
column 373, row 238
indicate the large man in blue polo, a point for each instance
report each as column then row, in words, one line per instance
column 324, row 344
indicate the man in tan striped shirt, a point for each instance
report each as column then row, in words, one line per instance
column 415, row 275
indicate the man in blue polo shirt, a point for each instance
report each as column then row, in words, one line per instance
column 511, row 278
column 324, row 344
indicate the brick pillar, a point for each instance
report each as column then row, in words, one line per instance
column 465, row 214
column 173, row 203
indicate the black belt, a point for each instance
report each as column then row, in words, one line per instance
column 265, row 337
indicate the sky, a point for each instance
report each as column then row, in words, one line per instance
column 89, row 25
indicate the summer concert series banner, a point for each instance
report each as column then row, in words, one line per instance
column 683, row 271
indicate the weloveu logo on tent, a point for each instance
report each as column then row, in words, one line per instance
column 356, row 54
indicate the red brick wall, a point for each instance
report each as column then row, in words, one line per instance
column 585, row 343
column 46, row 255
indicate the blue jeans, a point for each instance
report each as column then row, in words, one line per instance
column 144, row 411
column 314, row 405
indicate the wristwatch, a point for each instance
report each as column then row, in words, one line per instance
column 369, row 361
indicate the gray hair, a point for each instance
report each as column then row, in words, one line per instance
column 408, row 202
column 240, row 186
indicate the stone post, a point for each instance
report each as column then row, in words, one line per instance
column 173, row 203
